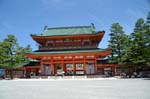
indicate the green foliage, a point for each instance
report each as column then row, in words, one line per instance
column 138, row 43
column 148, row 19
column 139, row 50
column 11, row 54
column 147, row 40
column 132, row 49
column 118, row 42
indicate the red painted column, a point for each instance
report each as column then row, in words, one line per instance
column 55, row 72
column 54, row 66
column 115, row 69
column 74, row 66
column 63, row 65
column 41, row 68
column 95, row 65
column 63, row 68
column 24, row 72
column 84, row 65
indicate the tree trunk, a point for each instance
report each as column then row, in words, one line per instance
column 11, row 74
column 146, row 70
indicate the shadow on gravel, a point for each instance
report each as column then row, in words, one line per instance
column 146, row 79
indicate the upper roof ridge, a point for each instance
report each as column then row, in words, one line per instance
column 68, row 30
column 67, row 27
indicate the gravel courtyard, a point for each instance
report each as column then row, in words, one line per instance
column 75, row 89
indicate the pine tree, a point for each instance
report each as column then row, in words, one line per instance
column 117, row 43
column 140, row 43
column 137, row 43
column 148, row 19
column 147, row 40
column 11, row 54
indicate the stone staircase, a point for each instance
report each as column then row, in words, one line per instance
column 58, row 77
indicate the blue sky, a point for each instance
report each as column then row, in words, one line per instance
column 23, row 17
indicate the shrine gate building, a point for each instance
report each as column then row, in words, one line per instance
column 72, row 50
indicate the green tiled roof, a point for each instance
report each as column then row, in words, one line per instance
column 74, row 30
column 69, row 51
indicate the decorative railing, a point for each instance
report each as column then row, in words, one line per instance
column 65, row 47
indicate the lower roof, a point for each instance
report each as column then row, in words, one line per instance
column 35, row 63
column 67, row 51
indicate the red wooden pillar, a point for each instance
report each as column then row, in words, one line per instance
column 84, row 65
column 63, row 67
column 74, row 66
column 62, row 64
column 49, row 63
column 95, row 65
column 41, row 67
column 114, row 69
column 54, row 66
column 55, row 70
column 24, row 72
column 51, row 66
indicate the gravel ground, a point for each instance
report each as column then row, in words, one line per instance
column 75, row 89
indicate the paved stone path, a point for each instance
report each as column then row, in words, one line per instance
column 75, row 89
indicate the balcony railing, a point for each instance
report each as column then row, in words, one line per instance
column 65, row 47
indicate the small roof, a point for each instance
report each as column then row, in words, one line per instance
column 31, row 63
column 2, row 67
column 73, row 30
